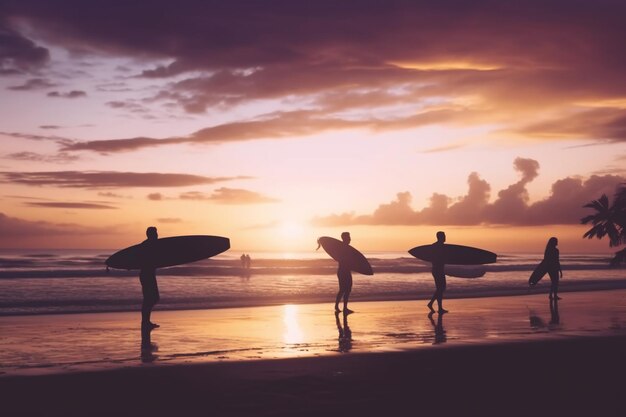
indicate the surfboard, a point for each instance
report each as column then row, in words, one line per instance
column 346, row 255
column 456, row 254
column 169, row 251
column 462, row 271
column 540, row 271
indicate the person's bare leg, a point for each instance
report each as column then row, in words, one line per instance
column 337, row 299
column 432, row 300
column 346, row 310
column 440, row 303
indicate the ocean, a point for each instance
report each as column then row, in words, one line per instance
column 72, row 281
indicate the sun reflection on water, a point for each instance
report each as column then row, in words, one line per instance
column 293, row 333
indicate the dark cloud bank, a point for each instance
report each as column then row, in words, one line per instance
column 511, row 206
column 521, row 60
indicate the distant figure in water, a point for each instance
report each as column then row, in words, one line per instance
column 147, row 277
column 243, row 260
column 248, row 261
column 345, row 280
column 438, row 273
column 553, row 265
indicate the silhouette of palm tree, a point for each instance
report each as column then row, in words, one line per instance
column 609, row 220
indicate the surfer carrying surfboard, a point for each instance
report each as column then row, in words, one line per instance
column 553, row 266
column 147, row 277
column 438, row 273
column 345, row 280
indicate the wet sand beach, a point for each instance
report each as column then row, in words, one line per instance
column 488, row 356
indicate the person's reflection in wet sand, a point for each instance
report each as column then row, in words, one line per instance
column 345, row 334
column 440, row 332
column 147, row 347
column 536, row 322
column 555, row 319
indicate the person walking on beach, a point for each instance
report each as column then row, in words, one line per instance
column 553, row 266
column 147, row 277
column 345, row 280
column 438, row 273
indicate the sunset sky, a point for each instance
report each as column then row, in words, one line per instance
column 277, row 122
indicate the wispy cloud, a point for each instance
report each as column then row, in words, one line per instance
column 33, row 84
column 71, row 205
column 109, row 179
column 229, row 196
column 169, row 220
column 13, row 228
column 58, row 158
column 68, row 94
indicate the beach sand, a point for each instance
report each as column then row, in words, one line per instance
column 488, row 356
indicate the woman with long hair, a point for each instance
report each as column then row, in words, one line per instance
column 553, row 265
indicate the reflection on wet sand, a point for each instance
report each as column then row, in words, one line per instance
column 110, row 340
column 147, row 346
column 345, row 334
column 440, row 333
column 538, row 324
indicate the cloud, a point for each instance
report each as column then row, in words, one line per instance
column 15, row 228
column 33, row 84
column 602, row 123
column 444, row 148
column 169, row 220
column 229, row 196
column 59, row 140
column 490, row 62
column 223, row 195
column 69, row 94
column 19, row 54
column 280, row 125
column 108, row 179
column 70, row 205
column 50, row 127
column 61, row 158
column 511, row 207
column 109, row 194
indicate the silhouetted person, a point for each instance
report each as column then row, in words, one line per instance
column 553, row 265
column 243, row 260
column 147, row 277
column 345, row 334
column 440, row 333
column 438, row 273
column 345, row 280
column 248, row 261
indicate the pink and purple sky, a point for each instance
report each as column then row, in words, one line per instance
column 277, row 122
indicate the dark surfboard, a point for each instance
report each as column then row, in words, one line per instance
column 456, row 254
column 464, row 271
column 169, row 251
column 540, row 271
column 346, row 255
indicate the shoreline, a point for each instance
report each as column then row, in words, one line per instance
column 47, row 344
column 451, row 294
